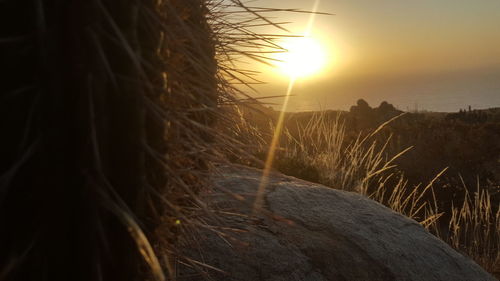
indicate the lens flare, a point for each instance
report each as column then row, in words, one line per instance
column 259, row 199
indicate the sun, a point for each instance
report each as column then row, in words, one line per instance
column 304, row 56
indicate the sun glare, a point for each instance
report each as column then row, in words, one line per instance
column 304, row 56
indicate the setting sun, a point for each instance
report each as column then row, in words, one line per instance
column 305, row 56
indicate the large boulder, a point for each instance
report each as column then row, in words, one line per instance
column 314, row 233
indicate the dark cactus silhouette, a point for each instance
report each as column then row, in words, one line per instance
column 106, row 113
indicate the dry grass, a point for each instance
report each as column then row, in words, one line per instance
column 474, row 229
column 352, row 166
column 363, row 166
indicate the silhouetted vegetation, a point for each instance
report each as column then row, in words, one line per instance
column 475, row 116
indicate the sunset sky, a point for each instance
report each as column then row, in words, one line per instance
column 426, row 54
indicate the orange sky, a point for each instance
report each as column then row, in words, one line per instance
column 442, row 54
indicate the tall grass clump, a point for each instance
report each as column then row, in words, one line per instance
column 474, row 229
column 348, row 165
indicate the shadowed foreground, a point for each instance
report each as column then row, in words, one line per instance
column 317, row 233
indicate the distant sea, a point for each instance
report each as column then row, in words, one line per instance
column 444, row 92
column 444, row 97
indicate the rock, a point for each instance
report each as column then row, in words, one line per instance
column 314, row 233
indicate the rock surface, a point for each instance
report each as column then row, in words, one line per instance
column 314, row 233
